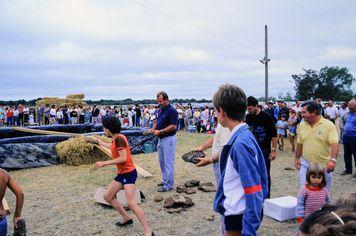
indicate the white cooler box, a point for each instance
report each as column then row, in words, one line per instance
column 281, row 209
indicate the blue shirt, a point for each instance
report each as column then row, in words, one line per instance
column 350, row 125
column 167, row 116
column 243, row 183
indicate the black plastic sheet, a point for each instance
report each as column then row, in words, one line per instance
column 27, row 155
column 30, row 150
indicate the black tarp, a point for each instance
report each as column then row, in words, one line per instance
column 27, row 155
column 38, row 150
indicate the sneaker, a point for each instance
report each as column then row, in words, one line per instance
column 345, row 173
column 160, row 184
column 163, row 189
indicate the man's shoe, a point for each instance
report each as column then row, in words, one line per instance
column 345, row 173
column 163, row 189
column 160, row 184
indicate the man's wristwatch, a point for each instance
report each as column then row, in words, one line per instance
column 273, row 149
column 161, row 131
column 333, row 160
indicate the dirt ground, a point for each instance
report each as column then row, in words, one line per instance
column 59, row 200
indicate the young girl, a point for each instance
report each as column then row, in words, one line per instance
column 292, row 127
column 314, row 195
column 281, row 130
column 126, row 176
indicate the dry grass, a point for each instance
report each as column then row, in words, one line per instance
column 59, row 199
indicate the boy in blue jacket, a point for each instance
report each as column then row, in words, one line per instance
column 243, row 182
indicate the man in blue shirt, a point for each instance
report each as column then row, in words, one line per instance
column 243, row 176
column 165, row 128
column 349, row 138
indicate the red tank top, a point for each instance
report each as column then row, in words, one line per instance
column 127, row 166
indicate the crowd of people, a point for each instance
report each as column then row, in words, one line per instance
column 247, row 138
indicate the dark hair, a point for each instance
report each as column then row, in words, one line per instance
column 348, row 201
column 326, row 222
column 316, row 169
column 252, row 101
column 163, row 94
column 312, row 107
column 232, row 100
column 112, row 123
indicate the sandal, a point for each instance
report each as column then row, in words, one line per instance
column 129, row 222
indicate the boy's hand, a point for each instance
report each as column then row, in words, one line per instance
column 203, row 161
column 200, row 148
column 99, row 164
column 16, row 220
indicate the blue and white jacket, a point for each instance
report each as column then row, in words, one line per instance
column 243, row 183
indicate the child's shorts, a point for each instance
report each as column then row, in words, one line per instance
column 233, row 222
column 127, row 178
column 281, row 132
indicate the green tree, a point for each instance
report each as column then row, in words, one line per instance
column 334, row 83
column 305, row 84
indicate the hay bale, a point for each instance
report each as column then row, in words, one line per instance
column 53, row 101
column 75, row 96
column 76, row 151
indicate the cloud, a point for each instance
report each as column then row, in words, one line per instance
column 118, row 49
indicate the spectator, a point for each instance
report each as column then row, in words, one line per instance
column 349, row 138
column 165, row 128
column 264, row 131
column 243, row 181
column 331, row 111
column 317, row 143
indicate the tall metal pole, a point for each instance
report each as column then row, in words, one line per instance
column 265, row 61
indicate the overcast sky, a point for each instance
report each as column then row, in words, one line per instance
column 132, row 49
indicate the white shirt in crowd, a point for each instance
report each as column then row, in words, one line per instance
column 342, row 111
column 221, row 137
column 16, row 112
column 59, row 114
column 332, row 112
column 52, row 112
column 180, row 113
column 26, row 110
column 297, row 109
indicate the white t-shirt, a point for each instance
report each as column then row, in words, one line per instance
column 297, row 109
column 221, row 137
column 342, row 112
column 52, row 112
column 332, row 111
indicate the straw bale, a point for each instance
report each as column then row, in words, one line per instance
column 75, row 96
column 76, row 151
column 53, row 101
column 49, row 98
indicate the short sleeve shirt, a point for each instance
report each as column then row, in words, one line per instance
column 167, row 116
column 316, row 140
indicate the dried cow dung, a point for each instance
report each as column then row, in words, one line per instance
column 192, row 183
column 190, row 191
column 193, row 156
column 180, row 189
column 207, row 187
column 177, row 201
column 77, row 151
column 157, row 198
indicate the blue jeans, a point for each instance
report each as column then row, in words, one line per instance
column 304, row 164
column 166, row 149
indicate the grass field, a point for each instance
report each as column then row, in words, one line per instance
column 59, row 200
